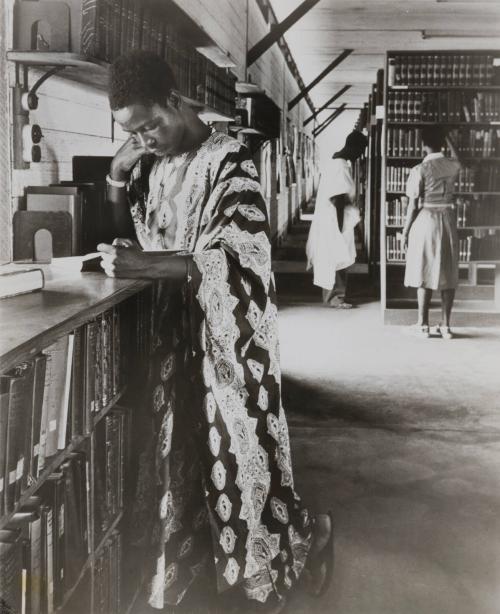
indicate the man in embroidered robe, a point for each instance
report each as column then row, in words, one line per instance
column 217, row 454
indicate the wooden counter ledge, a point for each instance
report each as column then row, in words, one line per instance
column 31, row 322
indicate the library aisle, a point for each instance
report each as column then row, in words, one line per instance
column 400, row 437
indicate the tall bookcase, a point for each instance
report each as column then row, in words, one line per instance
column 63, row 506
column 460, row 91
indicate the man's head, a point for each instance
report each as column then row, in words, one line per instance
column 355, row 144
column 144, row 101
column 433, row 138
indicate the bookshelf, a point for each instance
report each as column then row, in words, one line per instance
column 110, row 28
column 461, row 91
column 65, row 520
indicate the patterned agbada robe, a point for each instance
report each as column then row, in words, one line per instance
column 218, row 453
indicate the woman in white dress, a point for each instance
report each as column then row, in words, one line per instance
column 430, row 231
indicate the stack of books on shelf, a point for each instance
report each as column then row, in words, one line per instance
column 396, row 211
column 477, row 211
column 404, row 142
column 107, row 597
column 395, row 248
column 484, row 248
column 465, row 249
column 397, row 177
column 108, row 471
column 113, row 27
column 52, row 399
column 466, row 180
column 45, row 546
column 485, row 178
column 443, row 106
column 483, row 143
column 443, row 69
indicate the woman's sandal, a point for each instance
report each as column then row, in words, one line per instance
column 322, row 558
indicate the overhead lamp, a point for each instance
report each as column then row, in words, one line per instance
column 459, row 34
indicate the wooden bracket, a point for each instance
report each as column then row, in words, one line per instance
column 329, row 120
column 277, row 30
column 329, row 102
column 323, row 74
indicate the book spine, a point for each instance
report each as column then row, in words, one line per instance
column 78, row 384
column 38, row 389
column 90, row 28
column 4, row 414
column 62, row 421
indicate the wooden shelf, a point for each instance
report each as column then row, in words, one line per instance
column 420, row 158
column 246, row 88
column 440, row 88
column 394, row 123
column 89, row 562
column 395, row 226
column 246, row 130
column 94, row 73
column 31, row 322
column 403, row 262
column 455, row 193
column 53, row 463
column 56, row 460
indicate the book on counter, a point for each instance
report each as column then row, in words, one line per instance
column 15, row 280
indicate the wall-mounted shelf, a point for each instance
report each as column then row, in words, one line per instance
column 246, row 88
column 94, row 73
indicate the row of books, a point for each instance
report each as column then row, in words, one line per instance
column 113, row 27
column 46, row 544
column 469, row 213
column 469, row 248
column 111, row 437
column 443, row 106
column 465, row 249
column 404, row 142
column 395, row 211
column 407, row 142
column 482, row 248
column 395, row 247
column 485, row 178
column 397, row 177
column 476, row 143
column 477, row 212
column 442, row 69
column 52, row 399
column 108, row 577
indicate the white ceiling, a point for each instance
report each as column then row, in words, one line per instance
column 372, row 27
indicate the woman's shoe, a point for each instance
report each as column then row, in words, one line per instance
column 420, row 330
column 443, row 331
column 320, row 568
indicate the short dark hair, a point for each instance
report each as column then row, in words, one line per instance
column 434, row 136
column 139, row 77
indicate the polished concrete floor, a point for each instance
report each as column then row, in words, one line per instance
column 400, row 437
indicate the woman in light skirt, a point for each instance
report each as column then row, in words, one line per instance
column 430, row 231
